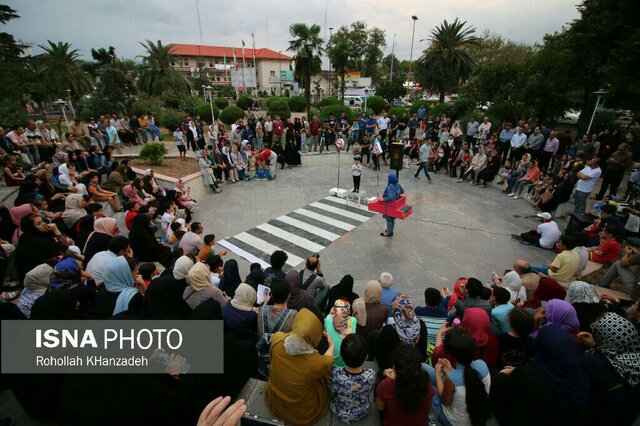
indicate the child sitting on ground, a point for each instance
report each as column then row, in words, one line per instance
column 147, row 271
column 207, row 248
column 183, row 193
column 434, row 314
column 98, row 194
column 505, row 172
column 46, row 216
column 501, row 308
column 351, row 385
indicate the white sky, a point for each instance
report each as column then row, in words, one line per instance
column 89, row 24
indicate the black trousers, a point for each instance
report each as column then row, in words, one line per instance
column 356, row 183
column 531, row 237
column 367, row 152
column 611, row 181
column 545, row 158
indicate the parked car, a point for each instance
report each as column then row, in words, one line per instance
column 353, row 101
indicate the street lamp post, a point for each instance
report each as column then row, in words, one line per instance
column 330, row 69
column 410, row 75
column 280, row 71
column 61, row 104
column 208, row 93
column 600, row 94
column 73, row 110
column 393, row 47
column 366, row 97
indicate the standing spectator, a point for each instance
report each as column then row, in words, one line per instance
column 472, row 131
column 534, row 142
column 413, row 125
column 549, row 151
column 587, row 179
column 517, row 144
column 383, row 127
column 424, row 160
column 278, row 130
column 505, row 141
column 314, row 132
column 617, row 166
column 484, row 129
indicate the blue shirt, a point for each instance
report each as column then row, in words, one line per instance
column 500, row 318
column 371, row 122
column 433, row 318
column 506, row 135
column 387, row 296
column 422, row 112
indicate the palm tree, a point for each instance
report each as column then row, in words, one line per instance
column 156, row 74
column 60, row 70
column 447, row 61
column 340, row 54
column 307, row 46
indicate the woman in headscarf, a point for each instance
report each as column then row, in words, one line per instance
column 478, row 163
column 73, row 210
column 478, row 325
column 183, row 195
column 613, row 367
column 206, row 171
column 239, row 314
column 392, row 192
column 554, row 380
column 104, row 229
column 338, row 324
column 38, row 243
column 557, row 312
column 513, row 284
column 46, row 188
column 256, row 276
column 36, row 283
column 144, row 244
column 17, row 214
column 130, row 193
column 369, row 312
column 230, row 278
column 404, row 329
column 490, row 172
column 342, row 290
column 119, row 293
column 200, row 286
column 163, row 298
column 297, row 390
column 585, row 300
column 117, row 179
column 547, row 289
column 300, row 298
column 67, row 177
column 458, row 293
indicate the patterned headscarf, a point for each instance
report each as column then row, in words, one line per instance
column 581, row 292
column 407, row 323
column 617, row 339
column 340, row 314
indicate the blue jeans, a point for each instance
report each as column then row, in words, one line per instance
column 580, row 199
column 390, row 223
column 520, row 186
column 423, row 166
column 536, row 269
column 156, row 131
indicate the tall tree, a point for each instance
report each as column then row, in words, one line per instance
column 115, row 83
column 447, row 61
column 60, row 69
column 307, row 45
column 339, row 55
column 365, row 47
column 156, row 74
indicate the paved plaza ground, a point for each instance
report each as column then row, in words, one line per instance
column 456, row 229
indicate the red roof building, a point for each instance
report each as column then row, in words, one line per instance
column 218, row 60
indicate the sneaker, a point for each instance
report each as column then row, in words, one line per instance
column 430, row 181
column 515, row 197
column 217, row 191
column 511, row 195
column 417, row 177
column 9, row 295
column 11, row 284
column 515, row 237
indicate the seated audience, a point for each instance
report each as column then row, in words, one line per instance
column 339, row 324
column 500, row 312
column 434, row 313
column 370, row 313
column 516, row 347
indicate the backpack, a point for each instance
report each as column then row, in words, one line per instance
column 264, row 344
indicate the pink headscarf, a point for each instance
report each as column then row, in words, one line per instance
column 17, row 213
column 132, row 194
column 104, row 225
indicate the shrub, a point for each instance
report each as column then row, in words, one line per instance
column 144, row 105
column 438, row 109
column 313, row 112
column 85, row 114
column 416, row 106
column 329, row 100
column 272, row 99
column 171, row 119
column 503, row 111
column 297, row 103
column 190, row 105
column 279, row 107
column 244, row 102
column 398, row 111
column 221, row 103
column 336, row 110
column 153, row 153
column 376, row 103
column 230, row 114
column 204, row 111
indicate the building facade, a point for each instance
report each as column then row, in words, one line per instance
column 270, row 67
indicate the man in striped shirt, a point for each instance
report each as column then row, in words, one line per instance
column 435, row 313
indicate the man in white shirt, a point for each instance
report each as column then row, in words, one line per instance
column 484, row 129
column 472, row 131
column 587, row 179
column 383, row 126
column 425, row 150
column 546, row 235
column 517, row 145
column 118, row 246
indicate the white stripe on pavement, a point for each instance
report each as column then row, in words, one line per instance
column 346, row 203
column 309, row 228
column 292, row 238
column 325, row 219
column 341, row 212
column 248, row 256
column 266, row 247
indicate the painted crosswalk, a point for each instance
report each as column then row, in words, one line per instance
column 300, row 233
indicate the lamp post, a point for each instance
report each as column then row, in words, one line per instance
column 366, row 96
column 61, row 104
column 393, row 47
column 208, row 93
column 280, row 71
column 600, row 94
column 410, row 75
column 330, row 69
column 73, row 110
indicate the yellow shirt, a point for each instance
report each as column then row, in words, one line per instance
column 297, row 390
column 567, row 263
column 143, row 121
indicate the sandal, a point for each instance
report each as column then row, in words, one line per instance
column 9, row 295
column 384, row 234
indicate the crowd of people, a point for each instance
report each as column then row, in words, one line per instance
column 533, row 346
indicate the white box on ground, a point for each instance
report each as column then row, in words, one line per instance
column 338, row 192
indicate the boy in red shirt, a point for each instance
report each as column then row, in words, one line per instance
column 609, row 249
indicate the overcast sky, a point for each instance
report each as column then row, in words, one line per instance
column 88, row 24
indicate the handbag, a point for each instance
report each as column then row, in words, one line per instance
column 546, row 196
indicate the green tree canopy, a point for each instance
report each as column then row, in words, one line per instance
column 60, row 69
column 365, row 47
column 156, row 74
column 307, row 45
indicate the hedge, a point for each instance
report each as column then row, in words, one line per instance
column 204, row 111
column 279, row 107
column 244, row 102
column 398, row 111
column 230, row 114
column 297, row 103
column 272, row 99
column 144, row 105
column 221, row 103
column 376, row 103
column 417, row 104
column 336, row 110
column 153, row 153
column 329, row 100
column 171, row 119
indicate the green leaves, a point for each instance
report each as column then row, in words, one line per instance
column 156, row 75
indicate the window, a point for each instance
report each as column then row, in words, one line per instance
column 210, row 64
column 272, row 73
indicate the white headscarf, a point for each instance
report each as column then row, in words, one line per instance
column 511, row 281
column 181, row 267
